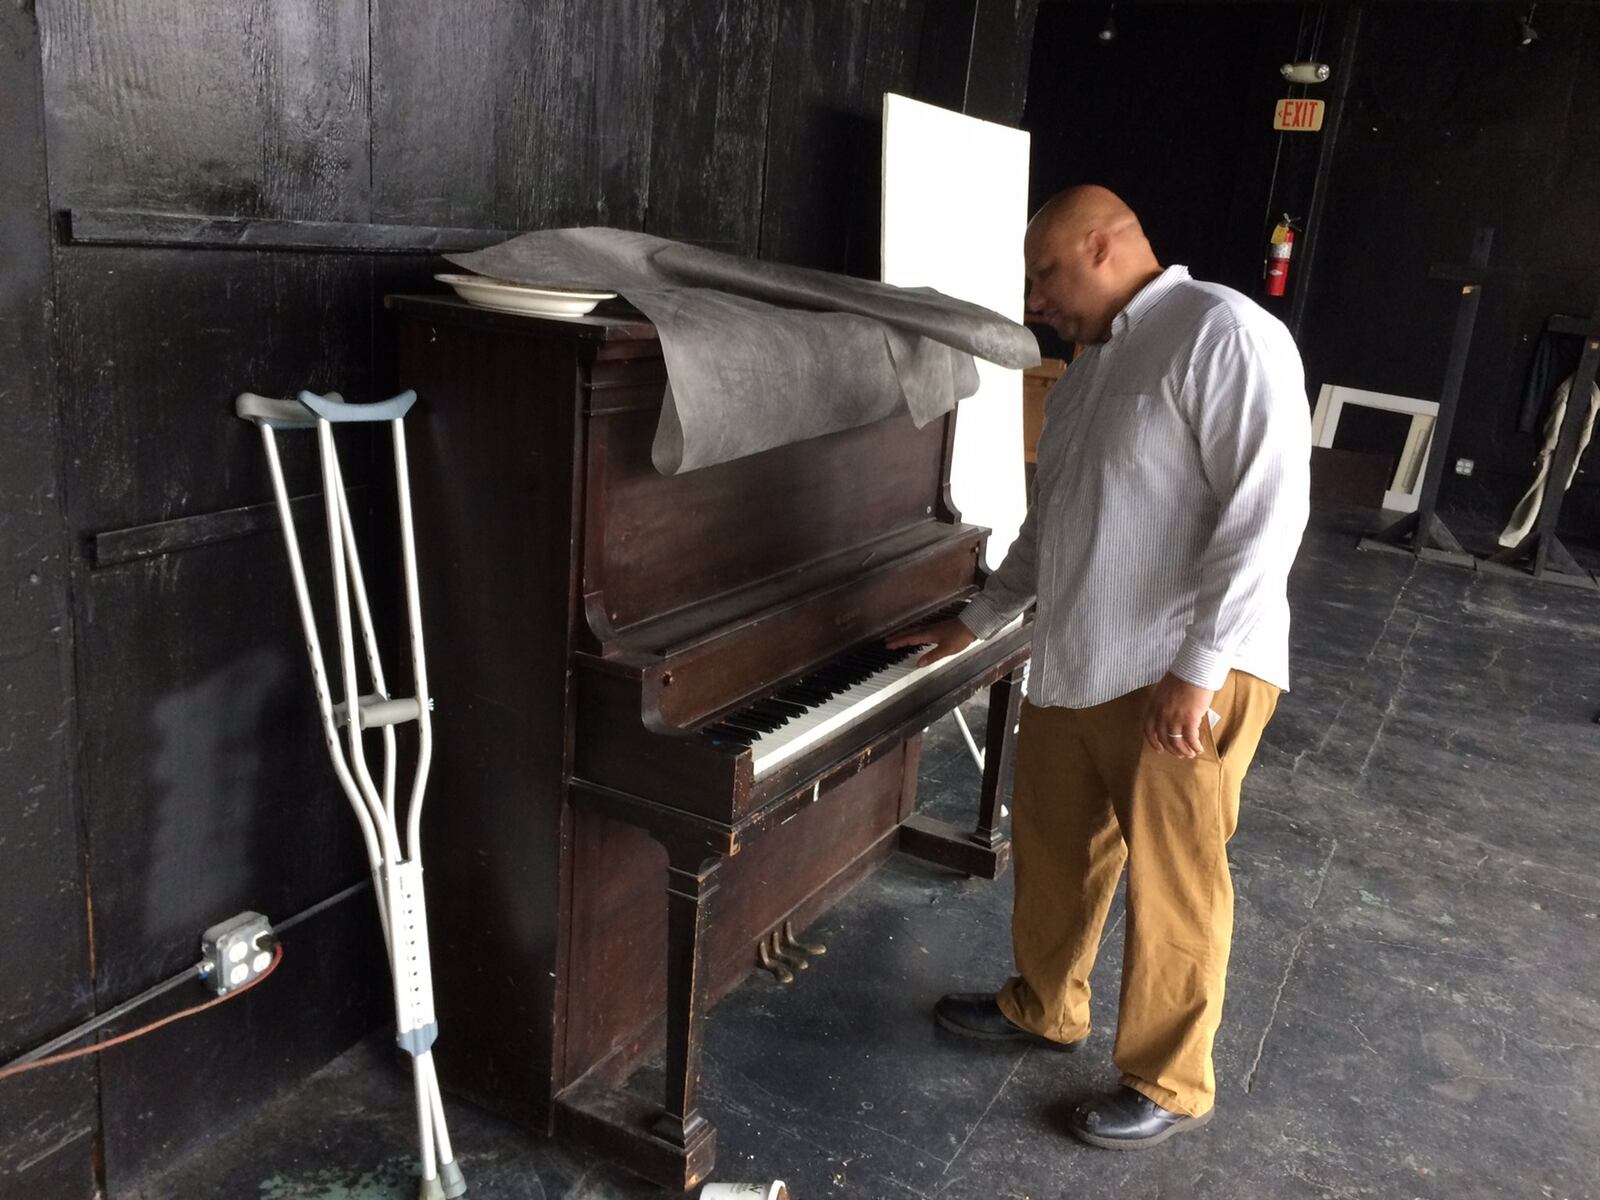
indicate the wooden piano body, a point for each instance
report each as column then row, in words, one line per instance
column 602, row 865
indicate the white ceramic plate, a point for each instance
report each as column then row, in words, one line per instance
column 520, row 298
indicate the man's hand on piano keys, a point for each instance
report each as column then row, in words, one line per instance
column 943, row 638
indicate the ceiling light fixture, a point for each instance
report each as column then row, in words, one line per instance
column 1305, row 72
column 1108, row 31
column 1525, row 24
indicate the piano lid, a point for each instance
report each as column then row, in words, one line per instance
column 761, row 354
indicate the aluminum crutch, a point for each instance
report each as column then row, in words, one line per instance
column 396, row 861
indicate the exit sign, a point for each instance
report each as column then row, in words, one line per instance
column 1299, row 116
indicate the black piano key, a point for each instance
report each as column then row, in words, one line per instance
column 773, row 704
column 790, row 707
column 766, row 711
column 807, row 697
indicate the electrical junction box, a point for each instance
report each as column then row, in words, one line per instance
column 235, row 951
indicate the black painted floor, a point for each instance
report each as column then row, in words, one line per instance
column 1413, row 1006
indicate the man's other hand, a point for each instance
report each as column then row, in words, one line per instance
column 1173, row 714
column 944, row 639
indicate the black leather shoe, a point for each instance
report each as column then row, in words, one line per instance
column 978, row 1015
column 1128, row 1120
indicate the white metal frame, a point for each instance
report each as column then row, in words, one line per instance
column 1412, row 465
column 395, row 858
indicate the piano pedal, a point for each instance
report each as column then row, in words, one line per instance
column 788, row 955
column 780, row 972
column 815, row 949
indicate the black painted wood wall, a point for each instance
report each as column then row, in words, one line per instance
column 1448, row 123
column 1175, row 114
column 159, row 764
column 1453, row 124
column 47, row 1121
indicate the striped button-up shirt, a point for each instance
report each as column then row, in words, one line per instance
column 1169, row 501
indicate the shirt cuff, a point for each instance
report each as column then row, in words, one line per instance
column 982, row 617
column 1201, row 666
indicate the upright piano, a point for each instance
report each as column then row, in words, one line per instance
column 666, row 724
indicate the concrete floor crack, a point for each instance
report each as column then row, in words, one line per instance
column 1366, row 663
column 1394, row 702
column 1360, row 1033
column 983, row 1116
column 1288, row 969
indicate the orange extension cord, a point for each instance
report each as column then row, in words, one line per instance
column 84, row 1051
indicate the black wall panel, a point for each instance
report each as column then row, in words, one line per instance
column 1449, row 123
column 251, row 109
column 975, row 56
column 440, row 80
column 48, row 1119
column 209, row 793
column 709, row 126
column 1433, row 146
column 1174, row 114
column 810, row 202
column 156, row 343
column 513, row 116
column 203, row 780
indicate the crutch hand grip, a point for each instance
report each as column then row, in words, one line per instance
column 280, row 414
column 307, row 408
column 333, row 408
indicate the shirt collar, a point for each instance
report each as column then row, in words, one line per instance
column 1147, row 298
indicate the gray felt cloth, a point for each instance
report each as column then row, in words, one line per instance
column 760, row 354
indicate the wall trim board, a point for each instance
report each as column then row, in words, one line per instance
column 201, row 231
column 118, row 547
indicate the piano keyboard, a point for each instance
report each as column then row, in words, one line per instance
column 816, row 706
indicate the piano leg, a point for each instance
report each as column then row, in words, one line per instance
column 985, row 851
column 691, row 882
column 672, row 1145
column 999, row 740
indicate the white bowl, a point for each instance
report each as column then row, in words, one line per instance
column 502, row 296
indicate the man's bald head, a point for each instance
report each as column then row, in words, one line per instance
column 1079, row 210
column 1086, row 257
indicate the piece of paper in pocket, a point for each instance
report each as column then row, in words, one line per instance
column 1213, row 716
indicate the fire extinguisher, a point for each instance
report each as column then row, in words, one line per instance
column 1279, row 250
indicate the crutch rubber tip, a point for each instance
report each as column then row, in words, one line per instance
column 454, row 1184
column 430, row 1189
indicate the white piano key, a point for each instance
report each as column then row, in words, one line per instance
column 845, row 708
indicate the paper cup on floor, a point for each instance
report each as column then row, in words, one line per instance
column 745, row 1191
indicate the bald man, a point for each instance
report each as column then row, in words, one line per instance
column 1169, row 502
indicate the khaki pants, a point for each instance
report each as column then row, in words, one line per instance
column 1090, row 796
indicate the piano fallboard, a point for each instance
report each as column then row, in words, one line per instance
column 714, row 784
column 689, row 671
